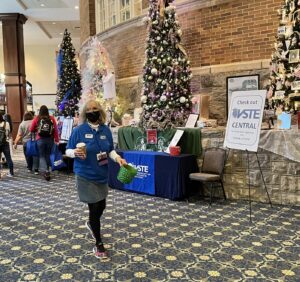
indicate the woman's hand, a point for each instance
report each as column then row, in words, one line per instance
column 121, row 161
column 79, row 153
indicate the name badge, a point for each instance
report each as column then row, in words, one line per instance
column 89, row 136
column 102, row 137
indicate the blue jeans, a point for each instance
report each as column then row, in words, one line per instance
column 45, row 145
column 6, row 151
column 32, row 162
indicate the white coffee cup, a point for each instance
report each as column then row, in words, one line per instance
column 82, row 147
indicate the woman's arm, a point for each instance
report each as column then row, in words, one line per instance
column 34, row 125
column 117, row 158
column 55, row 130
column 18, row 137
column 72, row 151
column 7, row 129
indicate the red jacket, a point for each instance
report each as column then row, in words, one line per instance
column 34, row 126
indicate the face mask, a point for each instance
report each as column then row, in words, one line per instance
column 93, row 116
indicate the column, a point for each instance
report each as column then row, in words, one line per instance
column 14, row 66
column 87, row 19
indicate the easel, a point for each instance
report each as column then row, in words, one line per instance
column 249, row 184
column 243, row 128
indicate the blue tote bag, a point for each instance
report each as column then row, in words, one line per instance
column 31, row 147
column 56, row 158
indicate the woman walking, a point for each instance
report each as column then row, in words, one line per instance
column 4, row 145
column 25, row 134
column 45, row 127
column 91, row 144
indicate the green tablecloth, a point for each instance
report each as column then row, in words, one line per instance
column 133, row 138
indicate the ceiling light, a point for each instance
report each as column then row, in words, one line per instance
column 42, row 5
column 76, row 7
column 61, row 33
column 53, row 22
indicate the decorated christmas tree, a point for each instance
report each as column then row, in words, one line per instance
column 166, row 94
column 96, row 64
column 68, row 86
column 284, row 84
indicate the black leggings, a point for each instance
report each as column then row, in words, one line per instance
column 96, row 210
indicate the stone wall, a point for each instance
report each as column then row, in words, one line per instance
column 213, row 83
column 282, row 176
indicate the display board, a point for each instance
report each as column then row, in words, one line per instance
column 67, row 127
column 244, row 120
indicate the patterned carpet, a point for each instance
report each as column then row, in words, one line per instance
column 43, row 236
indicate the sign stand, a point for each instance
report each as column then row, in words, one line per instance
column 243, row 129
column 249, row 184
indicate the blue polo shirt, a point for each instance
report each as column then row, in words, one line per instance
column 96, row 142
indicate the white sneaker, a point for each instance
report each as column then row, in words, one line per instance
column 9, row 175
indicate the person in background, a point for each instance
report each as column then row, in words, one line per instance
column 90, row 165
column 8, row 119
column 5, row 132
column 25, row 134
column 47, row 134
column 33, row 113
column 76, row 119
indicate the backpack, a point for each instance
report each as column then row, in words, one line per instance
column 45, row 127
column 3, row 134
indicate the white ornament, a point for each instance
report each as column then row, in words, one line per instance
column 158, row 38
column 163, row 98
column 179, row 32
column 154, row 71
column 182, row 99
column 144, row 99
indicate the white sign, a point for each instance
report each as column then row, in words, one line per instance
column 66, row 129
column 244, row 120
column 175, row 139
column 192, row 119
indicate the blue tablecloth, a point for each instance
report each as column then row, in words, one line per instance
column 171, row 174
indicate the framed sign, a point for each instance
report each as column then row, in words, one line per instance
column 294, row 56
column 240, row 83
column 295, row 85
column 151, row 136
column 192, row 119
